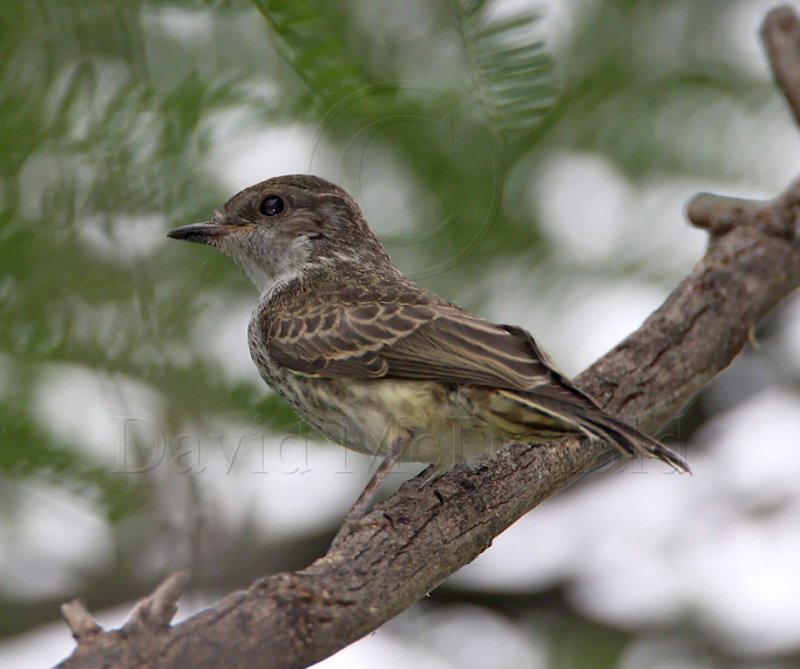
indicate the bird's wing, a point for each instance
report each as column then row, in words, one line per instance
column 445, row 344
column 408, row 341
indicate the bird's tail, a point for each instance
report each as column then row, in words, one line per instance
column 628, row 439
column 562, row 407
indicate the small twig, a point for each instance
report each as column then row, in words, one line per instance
column 160, row 608
column 718, row 214
column 781, row 35
column 80, row 621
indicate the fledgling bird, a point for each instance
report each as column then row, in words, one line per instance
column 376, row 362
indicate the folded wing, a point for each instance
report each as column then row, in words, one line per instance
column 431, row 342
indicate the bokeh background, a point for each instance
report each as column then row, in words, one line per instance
column 528, row 159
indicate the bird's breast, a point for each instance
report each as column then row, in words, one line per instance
column 366, row 414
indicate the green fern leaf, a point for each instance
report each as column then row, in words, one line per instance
column 313, row 43
column 511, row 73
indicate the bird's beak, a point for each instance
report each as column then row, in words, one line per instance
column 201, row 233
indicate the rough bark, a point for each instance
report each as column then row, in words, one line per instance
column 421, row 535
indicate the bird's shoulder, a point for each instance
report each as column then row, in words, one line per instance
column 322, row 302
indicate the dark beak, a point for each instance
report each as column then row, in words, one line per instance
column 201, row 233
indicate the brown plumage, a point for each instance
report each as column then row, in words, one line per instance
column 375, row 361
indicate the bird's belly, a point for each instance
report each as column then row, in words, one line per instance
column 444, row 425
column 427, row 413
column 366, row 415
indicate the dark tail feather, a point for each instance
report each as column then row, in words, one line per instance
column 563, row 400
column 629, row 440
column 572, row 406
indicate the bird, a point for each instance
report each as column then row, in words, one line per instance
column 378, row 363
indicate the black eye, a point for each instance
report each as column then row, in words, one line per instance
column 271, row 206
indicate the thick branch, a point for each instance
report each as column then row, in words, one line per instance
column 416, row 539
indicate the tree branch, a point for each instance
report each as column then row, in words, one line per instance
column 420, row 536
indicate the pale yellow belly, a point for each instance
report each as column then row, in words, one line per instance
column 439, row 431
column 443, row 425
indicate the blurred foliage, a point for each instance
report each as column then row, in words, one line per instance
column 109, row 114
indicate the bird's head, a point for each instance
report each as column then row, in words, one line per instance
column 281, row 228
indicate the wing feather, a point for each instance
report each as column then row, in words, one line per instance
column 408, row 341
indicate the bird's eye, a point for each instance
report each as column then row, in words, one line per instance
column 271, row 206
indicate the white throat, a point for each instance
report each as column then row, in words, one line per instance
column 269, row 265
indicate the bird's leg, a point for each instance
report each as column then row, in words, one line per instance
column 362, row 504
